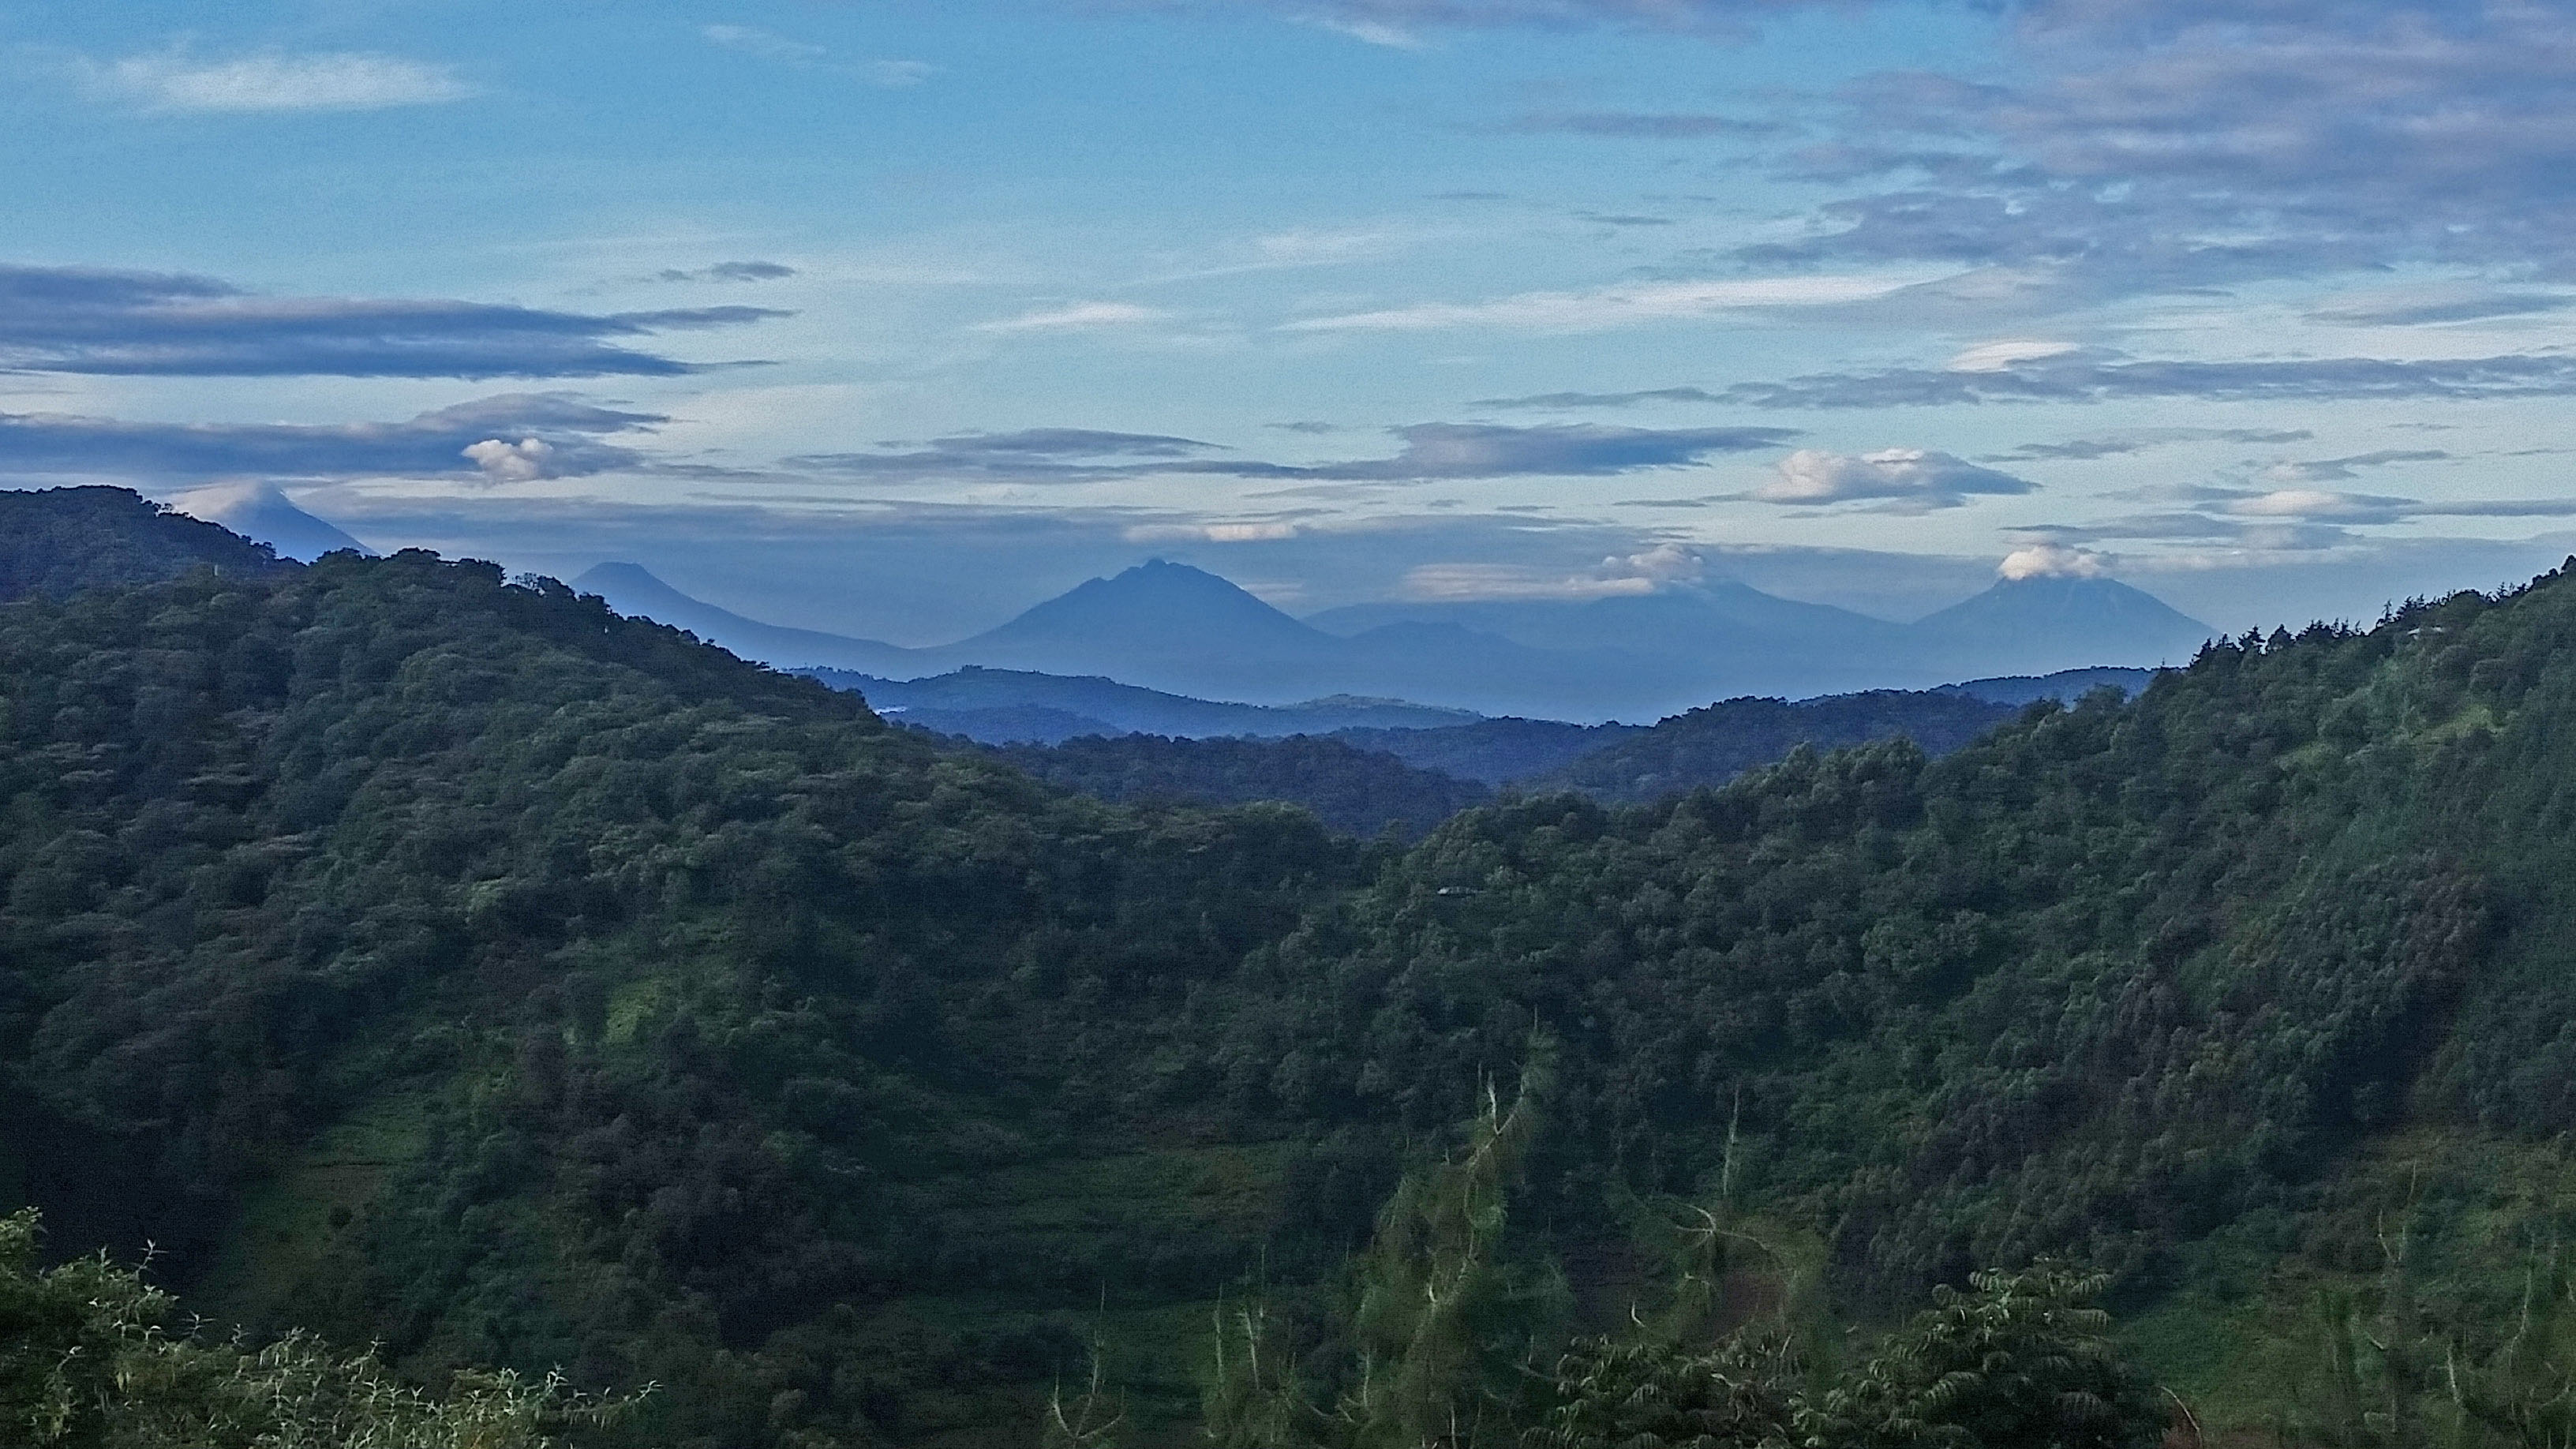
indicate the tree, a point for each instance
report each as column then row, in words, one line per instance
column 1445, row 1324
column 87, row 1361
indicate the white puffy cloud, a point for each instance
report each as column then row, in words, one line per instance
column 1665, row 563
column 523, row 461
column 1911, row 475
column 2053, row 561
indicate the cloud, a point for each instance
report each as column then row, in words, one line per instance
column 1646, row 571
column 1034, row 455
column 1080, row 317
column 2053, row 561
column 505, row 462
column 84, row 320
column 1912, row 476
column 1717, row 17
column 770, row 46
column 1566, row 400
column 1485, row 450
column 767, row 45
column 1999, row 355
column 1238, row 531
column 2094, row 377
column 2117, row 445
column 2328, row 470
column 1370, row 32
column 1612, row 307
column 728, row 272
column 558, row 436
column 2256, row 521
column 1431, row 451
column 1467, row 582
column 1643, row 125
column 175, row 82
column 2431, row 308
column 2145, row 146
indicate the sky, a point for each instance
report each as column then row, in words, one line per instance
column 894, row 318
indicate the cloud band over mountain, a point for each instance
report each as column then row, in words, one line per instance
column 97, row 321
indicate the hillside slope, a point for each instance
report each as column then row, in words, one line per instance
column 58, row 540
column 440, row 961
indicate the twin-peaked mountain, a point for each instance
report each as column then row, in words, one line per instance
column 1170, row 627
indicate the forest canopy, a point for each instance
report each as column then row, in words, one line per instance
column 433, row 960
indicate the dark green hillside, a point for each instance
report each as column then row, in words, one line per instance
column 1359, row 791
column 455, row 963
column 437, row 961
column 1715, row 743
column 56, row 540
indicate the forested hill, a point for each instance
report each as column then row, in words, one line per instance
column 59, row 540
column 1360, row 791
column 452, row 964
column 1715, row 743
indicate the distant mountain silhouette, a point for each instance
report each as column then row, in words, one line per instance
column 1185, row 632
column 1005, row 706
column 259, row 512
column 2050, row 623
column 629, row 589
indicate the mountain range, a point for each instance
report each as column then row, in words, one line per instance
column 1010, row 706
column 1179, row 630
column 443, row 962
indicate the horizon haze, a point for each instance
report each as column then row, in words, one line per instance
column 947, row 308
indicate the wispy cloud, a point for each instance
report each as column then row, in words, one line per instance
column 1077, row 317
column 78, row 320
column 2432, row 307
column 1032, row 455
column 1643, row 125
column 177, row 82
column 2331, row 470
column 778, row 49
column 1727, row 17
column 2121, row 445
column 506, row 438
column 1567, row 401
column 1483, row 450
column 2144, row 146
column 1612, row 307
column 1369, row 32
column 1430, row 452
column 727, row 272
column 2087, row 378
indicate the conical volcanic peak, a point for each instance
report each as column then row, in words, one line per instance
column 2056, row 621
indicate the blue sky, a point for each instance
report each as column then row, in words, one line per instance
column 893, row 318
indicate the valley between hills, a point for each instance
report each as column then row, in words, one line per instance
column 426, row 958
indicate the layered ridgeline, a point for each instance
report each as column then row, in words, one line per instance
column 454, row 965
column 1168, row 628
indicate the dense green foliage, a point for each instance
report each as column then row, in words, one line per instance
column 1493, row 751
column 1359, row 791
column 1363, row 780
column 1715, row 743
column 89, row 1360
column 55, row 541
column 661, row 1007
column 450, row 963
